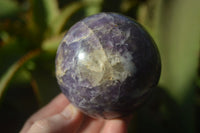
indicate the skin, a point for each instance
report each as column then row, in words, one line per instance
column 59, row 116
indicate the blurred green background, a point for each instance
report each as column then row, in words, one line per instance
column 30, row 32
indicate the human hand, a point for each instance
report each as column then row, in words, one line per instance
column 59, row 116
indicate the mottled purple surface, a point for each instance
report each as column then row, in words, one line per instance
column 106, row 65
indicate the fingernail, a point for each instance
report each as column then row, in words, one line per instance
column 70, row 112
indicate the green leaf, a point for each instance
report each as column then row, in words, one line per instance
column 8, row 75
column 93, row 6
column 176, row 29
column 52, row 10
column 8, row 8
column 51, row 44
column 178, row 40
column 60, row 21
column 44, row 12
column 179, row 46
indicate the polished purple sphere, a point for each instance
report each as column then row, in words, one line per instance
column 107, row 65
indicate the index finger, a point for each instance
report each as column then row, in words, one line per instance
column 118, row 125
column 54, row 107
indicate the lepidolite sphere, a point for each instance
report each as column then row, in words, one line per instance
column 107, row 65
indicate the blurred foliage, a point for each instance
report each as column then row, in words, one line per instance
column 30, row 32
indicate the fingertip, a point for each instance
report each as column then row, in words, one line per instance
column 69, row 120
column 40, row 126
column 116, row 126
column 55, row 106
column 60, row 100
column 71, row 113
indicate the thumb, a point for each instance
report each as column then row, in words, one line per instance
column 69, row 120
